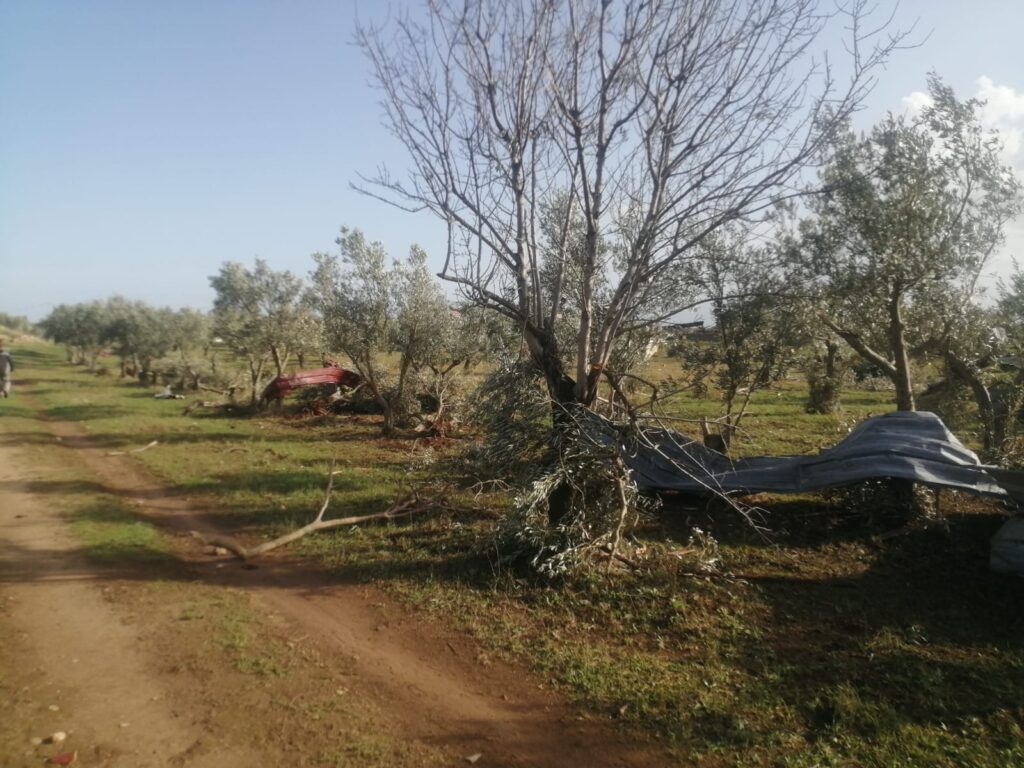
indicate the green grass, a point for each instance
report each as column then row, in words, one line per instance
column 105, row 527
column 826, row 646
column 109, row 532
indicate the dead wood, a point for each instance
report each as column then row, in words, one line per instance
column 410, row 505
column 133, row 450
column 208, row 404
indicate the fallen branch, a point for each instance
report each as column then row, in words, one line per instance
column 227, row 407
column 133, row 450
column 410, row 505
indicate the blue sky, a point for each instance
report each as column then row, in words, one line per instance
column 144, row 143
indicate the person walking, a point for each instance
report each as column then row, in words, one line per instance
column 6, row 369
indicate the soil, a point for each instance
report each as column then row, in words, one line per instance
column 105, row 653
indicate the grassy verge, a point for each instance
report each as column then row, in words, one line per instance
column 826, row 645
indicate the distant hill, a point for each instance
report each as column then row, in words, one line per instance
column 15, row 329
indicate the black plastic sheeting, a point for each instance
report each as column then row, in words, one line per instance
column 909, row 445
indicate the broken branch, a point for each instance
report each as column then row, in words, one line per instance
column 410, row 505
column 133, row 450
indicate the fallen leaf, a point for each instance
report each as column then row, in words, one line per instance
column 474, row 757
column 64, row 758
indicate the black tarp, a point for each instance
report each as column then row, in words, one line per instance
column 910, row 445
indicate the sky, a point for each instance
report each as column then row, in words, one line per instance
column 143, row 143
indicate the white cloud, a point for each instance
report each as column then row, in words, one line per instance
column 915, row 102
column 1003, row 111
column 1002, row 102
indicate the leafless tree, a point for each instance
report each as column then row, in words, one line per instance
column 663, row 120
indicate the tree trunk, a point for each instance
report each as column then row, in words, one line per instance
column 824, row 383
column 279, row 359
column 389, row 416
column 901, row 361
column 544, row 352
column 255, row 374
column 993, row 432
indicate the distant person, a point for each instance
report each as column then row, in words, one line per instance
column 6, row 369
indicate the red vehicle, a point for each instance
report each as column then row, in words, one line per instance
column 332, row 374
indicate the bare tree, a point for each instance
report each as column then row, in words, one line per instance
column 660, row 121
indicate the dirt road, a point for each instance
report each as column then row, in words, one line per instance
column 96, row 643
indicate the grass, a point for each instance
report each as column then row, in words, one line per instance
column 825, row 646
column 110, row 533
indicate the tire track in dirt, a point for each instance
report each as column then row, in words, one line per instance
column 427, row 680
column 76, row 654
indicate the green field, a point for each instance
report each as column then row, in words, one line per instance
column 821, row 644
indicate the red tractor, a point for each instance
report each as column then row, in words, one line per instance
column 332, row 374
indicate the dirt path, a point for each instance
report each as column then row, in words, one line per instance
column 82, row 668
column 429, row 683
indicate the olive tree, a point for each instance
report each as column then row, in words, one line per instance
column 985, row 353
column 657, row 121
column 139, row 334
column 908, row 219
column 755, row 336
column 82, row 328
column 372, row 307
column 262, row 316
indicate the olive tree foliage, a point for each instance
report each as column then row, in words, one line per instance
column 752, row 309
column 18, row 323
column 189, row 333
column 658, row 122
column 372, row 307
column 910, row 214
column 985, row 354
column 82, row 328
column 262, row 316
column 139, row 334
column 462, row 339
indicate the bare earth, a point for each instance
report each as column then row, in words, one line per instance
column 135, row 685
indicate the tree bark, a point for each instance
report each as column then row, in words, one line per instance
column 280, row 360
column 544, row 352
column 993, row 433
column 901, row 362
column 255, row 373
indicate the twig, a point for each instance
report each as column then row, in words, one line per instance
column 133, row 450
